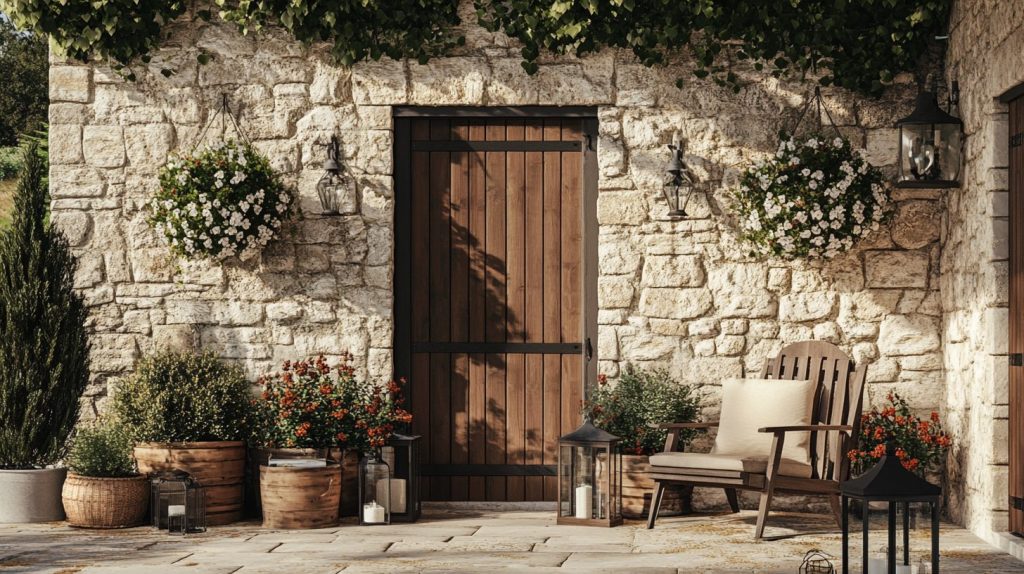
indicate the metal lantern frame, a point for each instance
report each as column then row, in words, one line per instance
column 177, row 503
column 374, row 468
column 404, row 463
column 817, row 562
column 681, row 183
column 929, row 115
column 334, row 181
column 607, row 511
column 889, row 482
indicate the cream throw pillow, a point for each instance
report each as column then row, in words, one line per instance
column 749, row 404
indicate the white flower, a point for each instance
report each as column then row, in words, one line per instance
column 837, row 143
column 215, row 230
column 219, row 175
column 812, row 184
column 257, row 209
column 805, row 172
column 794, row 160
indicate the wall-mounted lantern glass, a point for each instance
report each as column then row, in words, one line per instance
column 681, row 182
column 931, row 143
column 336, row 190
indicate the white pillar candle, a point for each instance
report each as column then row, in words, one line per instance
column 878, row 565
column 373, row 513
column 176, row 510
column 904, row 569
column 397, row 497
column 584, row 501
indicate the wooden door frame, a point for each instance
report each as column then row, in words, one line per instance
column 402, row 168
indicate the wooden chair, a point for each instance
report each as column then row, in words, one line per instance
column 835, row 420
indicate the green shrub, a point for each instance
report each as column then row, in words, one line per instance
column 10, row 161
column 185, row 397
column 101, row 450
column 639, row 400
column 44, row 348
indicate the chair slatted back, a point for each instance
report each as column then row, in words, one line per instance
column 838, row 399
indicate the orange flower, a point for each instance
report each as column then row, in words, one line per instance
column 935, row 416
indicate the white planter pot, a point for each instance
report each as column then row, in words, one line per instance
column 31, row 495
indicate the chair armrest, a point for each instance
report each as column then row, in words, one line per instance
column 797, row 428
column 677, row 426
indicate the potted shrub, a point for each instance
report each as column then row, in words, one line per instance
column 103, row 489
column 307, row 410
column 44, row 353
column 191, row 412
column 631, row 409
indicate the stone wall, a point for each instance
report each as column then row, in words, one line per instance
column 680, row 294
column 986, row 55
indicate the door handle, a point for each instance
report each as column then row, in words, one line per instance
column 1017, row 359
column 589, row 350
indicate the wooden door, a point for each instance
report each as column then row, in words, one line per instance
column 491, row 296
column 1016, row 225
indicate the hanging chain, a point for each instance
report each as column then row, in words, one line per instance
column 224, row 113
column 819, row 105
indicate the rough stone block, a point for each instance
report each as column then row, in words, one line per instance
column 799, row 307
column 675, row 303
column 896, row 269
column 70, row 84
column 65, row 144
column 908, row 335
column 76, row 225
column 103, row 146
column 148, row 144
column 673, row 271
column 379, row 83
column 284, row 311
column 615, row 292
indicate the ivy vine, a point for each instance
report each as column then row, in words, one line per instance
column 856, row 44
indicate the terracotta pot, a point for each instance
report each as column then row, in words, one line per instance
column 31, row 495
column 94, row 502
column 218, row 466
column 300, row 497
column 638, row 489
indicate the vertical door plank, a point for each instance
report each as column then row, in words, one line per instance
column 440, row 307
column 572, row 276
column 552, row 301
column 515, row 289
column 419, row 378
column 460, row 308
column 1016, row 322
column 477, row 312
column 496, row 308
column 534, row 319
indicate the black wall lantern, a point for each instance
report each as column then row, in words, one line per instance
column 931, row 143
column 681, row 182
column 889, row 482
column 336, row 191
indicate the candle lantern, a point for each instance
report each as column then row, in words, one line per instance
column 402, row 456
column 931, row 141
column 589, row 477
column 889, row 482
column 178, row 503
column 374, row 490
column 336, row 191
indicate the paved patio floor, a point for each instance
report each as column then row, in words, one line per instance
column 465, row 541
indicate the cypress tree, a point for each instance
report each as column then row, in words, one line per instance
column 44, row 349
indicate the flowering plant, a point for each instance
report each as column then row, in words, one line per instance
column 309, row 405
column 222, row 201
column 920, row 444
column 814, row 198
column 640, row 400
column 312, row 405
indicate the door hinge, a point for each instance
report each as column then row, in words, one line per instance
column 1017, row 359
column 1017, row 139
column 589, row 143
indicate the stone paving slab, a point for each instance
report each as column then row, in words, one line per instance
column 465, row 540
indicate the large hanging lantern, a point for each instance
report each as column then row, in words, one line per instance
column 889, row 482
column 589, row 478
column 680, row 184
column 335, row 190
column 931, row 144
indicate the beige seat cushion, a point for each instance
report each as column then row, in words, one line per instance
column 753, row 464
column 749, row 404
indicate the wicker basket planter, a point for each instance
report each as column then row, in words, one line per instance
column 300, row 497
column 638, row 488
column 92, row 502
column 218, row 466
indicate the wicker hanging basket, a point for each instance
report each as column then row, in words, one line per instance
column 92, row 502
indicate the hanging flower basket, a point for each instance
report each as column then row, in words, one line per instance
column 219, row 201
column 813, row 198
